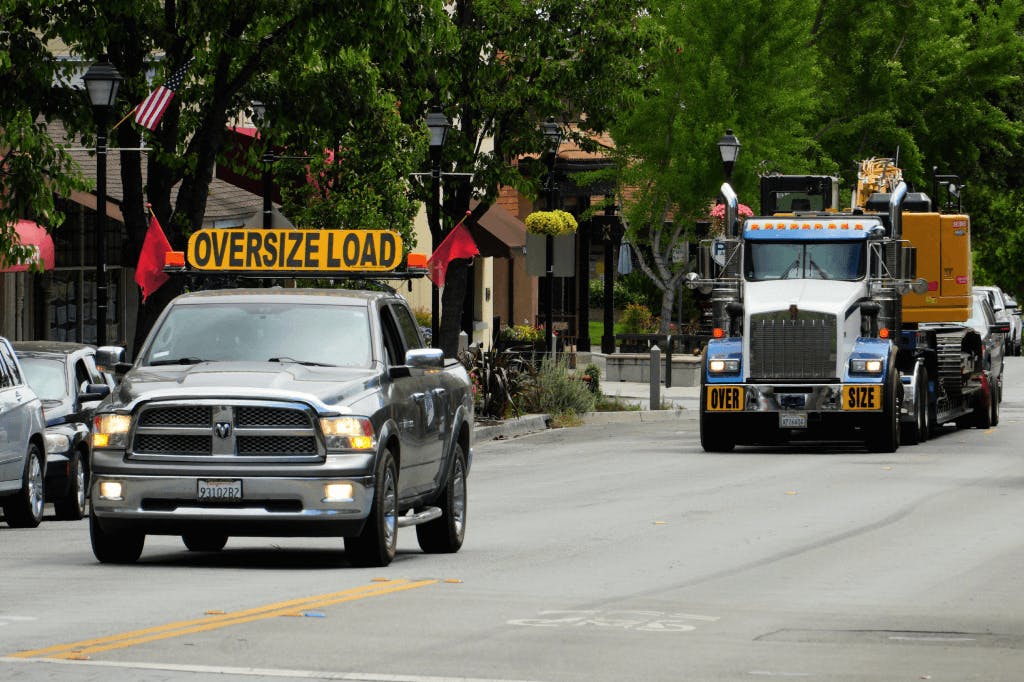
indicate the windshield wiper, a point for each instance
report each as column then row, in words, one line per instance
column 307, row 363
column 177, row 361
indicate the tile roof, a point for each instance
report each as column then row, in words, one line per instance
column 226, row 204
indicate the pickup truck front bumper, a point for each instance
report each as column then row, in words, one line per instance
column 272, row 503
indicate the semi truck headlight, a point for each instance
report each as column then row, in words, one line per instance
column 716, row 366
column 110, row 430
column 866, row 366
column 348, row 433
column 57, row 443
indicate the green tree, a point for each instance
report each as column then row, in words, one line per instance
column 514, row 63
column 292, row 55
column 33, row 168
column 715, row 67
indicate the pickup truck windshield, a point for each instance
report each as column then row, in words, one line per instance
column 804, row 260
column 262, row 332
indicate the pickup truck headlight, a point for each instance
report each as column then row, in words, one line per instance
column 111, row 430
column 866, row 366
column 348, row 433
column 719, row 366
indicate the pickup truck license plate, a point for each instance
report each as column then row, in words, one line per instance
column 792, row 420
column 862, row 397
column 208, row 490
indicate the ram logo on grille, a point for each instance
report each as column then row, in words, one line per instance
column 222, row 429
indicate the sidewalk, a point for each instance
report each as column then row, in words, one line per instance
column 679, row 402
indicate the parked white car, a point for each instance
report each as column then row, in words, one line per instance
column 22, row 450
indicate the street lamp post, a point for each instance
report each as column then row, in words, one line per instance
column 553, row 138
column 729, row 148
column 438, row 126
column 260, row 113
column 101, row 82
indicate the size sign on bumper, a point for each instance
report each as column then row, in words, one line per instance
column 863, row 397
column 220, row 490
column 724, row 399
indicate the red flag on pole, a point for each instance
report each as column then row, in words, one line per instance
column 458, row 244
column 149, row 273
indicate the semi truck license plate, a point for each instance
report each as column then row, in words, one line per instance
column 724, row 399
column 862, row 397
column 218, row 490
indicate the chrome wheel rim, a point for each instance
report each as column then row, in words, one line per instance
column 35, row 487
column 80, row 485
column 459, row 497
column 390, row 501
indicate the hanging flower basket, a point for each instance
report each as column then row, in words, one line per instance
column 717, row 214
column 552, row 223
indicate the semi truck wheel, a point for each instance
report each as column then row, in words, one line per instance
column 885, row 437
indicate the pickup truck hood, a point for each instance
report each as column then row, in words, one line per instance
column 289, row 381
column 825, row 296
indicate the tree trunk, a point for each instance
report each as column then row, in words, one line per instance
column 667, row 297
column 452, row 299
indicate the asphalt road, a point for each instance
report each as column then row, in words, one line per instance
column 605, row 552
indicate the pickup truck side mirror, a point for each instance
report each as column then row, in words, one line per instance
column 419, row 360
column 107, row 357
column 93, row 392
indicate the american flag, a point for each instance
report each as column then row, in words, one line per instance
column 149, row 113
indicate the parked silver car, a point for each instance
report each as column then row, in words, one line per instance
column 993, row 333
column 1015, row 324
column 22, row 449
column 997, row 299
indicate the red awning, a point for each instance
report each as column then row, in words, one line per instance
column 31, row 234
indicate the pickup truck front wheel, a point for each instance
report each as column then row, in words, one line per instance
column 122, row 547
column 375, row 546
column 444, row 535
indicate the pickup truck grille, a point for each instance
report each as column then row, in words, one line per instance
column 788, row 347
column 217, row 430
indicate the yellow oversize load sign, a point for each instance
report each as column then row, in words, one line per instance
column 270, row 250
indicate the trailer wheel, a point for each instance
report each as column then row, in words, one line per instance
column 885, row 437
column 917, row 431
column 995, row 409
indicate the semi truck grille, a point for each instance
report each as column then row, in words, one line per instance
column 215, row 430
column 792, row 347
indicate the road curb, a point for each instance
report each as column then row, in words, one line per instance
column 533, row 423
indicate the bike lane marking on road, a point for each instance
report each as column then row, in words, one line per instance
column 84, row 648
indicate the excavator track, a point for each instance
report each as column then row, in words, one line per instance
column 955, row 363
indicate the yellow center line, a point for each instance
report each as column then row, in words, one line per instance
column 132, row 638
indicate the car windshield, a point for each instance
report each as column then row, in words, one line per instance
column 804, row 260
column 261, row 332
column 46, row 376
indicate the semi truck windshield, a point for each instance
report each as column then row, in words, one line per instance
column 842, row 260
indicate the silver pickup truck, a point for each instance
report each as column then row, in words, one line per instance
column 283, row 412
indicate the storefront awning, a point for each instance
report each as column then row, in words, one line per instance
column 497, row 232
column 35, row 236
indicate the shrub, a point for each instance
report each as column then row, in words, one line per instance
column 423, row 317
column 522, row 333
column 554, row 223
column 555, row 391
column 637, row 319
column 594, row 383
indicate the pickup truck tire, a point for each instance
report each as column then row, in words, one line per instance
column 375, row 546
column 445, row 534
column 204, row 542
column 25, row 509
column 122, row 547
column 72, row 506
